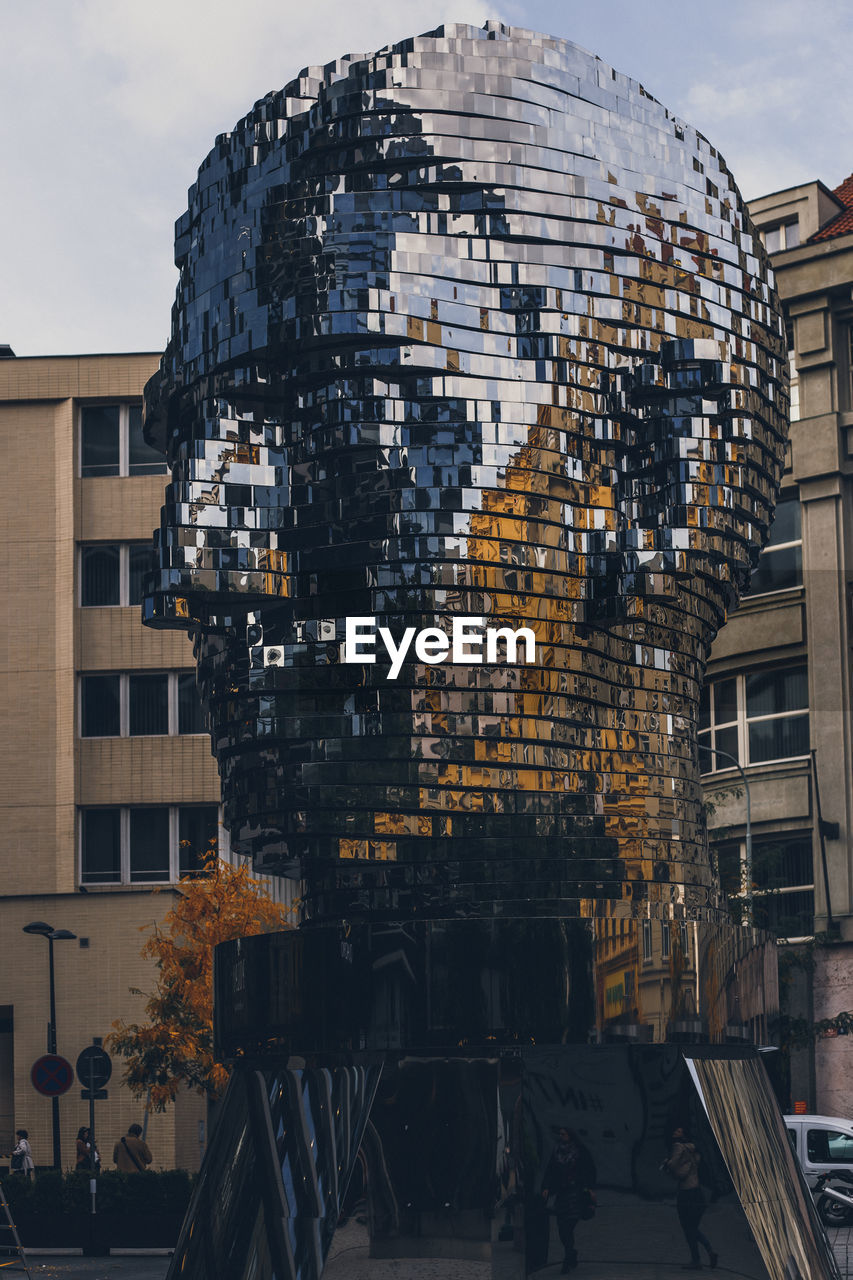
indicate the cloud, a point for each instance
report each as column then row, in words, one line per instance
column 768, row 116
column 179, row 66
column 107, row 107
column 108, row 110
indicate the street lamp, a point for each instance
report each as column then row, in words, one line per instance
column 703, row 746
column 52, row 935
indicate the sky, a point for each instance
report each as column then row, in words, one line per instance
column 107, row 108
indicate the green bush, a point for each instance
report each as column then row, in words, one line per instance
column 52, row 1192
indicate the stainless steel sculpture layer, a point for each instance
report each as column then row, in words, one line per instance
column 468, row 328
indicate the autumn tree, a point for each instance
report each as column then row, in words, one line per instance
column 175, row 1046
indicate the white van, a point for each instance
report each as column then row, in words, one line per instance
column 821, row 1144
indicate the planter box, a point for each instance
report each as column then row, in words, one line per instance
column 112, row 1230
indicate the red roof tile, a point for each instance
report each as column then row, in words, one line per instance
column 843, row 221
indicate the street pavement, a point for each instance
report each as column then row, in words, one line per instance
column 68, row 1267
column 349, row 1260
column 842, row 1245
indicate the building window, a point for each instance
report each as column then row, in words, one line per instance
column 777, row 715
column 730, row 866
column 113, row 573
column 139, row 704
column 647, row 941
column 793, row 375
column 100, row 706
column 140, row 563
column 101, row 845
column 780, row 566
column 100, row 574
column 785, row 236
column 782, row 882
column 148, row 704
column 112, row 443
column 718, row 725
column 665, row 941
column 754, row 718
column 197, row 837
column 149, row 853
column 190, row 713
column 150, row 844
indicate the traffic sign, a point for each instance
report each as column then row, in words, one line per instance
column 94, row 1067
column 52, row 1075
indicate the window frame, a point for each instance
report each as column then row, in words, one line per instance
column 124, row 549
column 789, row 495
column 829, row 1159
column 124, row 811
column 707, row 737
column 124, row 407
column 173, row 710
column 776, row 891
column 783, row 229
column 793, row 374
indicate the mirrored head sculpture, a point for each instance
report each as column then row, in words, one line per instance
column 475, row 407
column 473, row 328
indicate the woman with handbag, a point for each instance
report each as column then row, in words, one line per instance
column 84, row 1152
column 21, row 1159
column 569, row 1178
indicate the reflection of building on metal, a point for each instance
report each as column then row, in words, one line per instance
column 471, row 327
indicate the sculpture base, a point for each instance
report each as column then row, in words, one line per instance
column 463, row 1158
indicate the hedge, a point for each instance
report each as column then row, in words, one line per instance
column 52, row 1192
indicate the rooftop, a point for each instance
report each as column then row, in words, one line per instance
column 842, row 223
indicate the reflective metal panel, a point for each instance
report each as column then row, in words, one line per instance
column 767, row 1178
column 614, row 1160
column 271, row 1190
column 445, row 983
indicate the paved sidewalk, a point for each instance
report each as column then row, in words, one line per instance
column 841, row 1240
column 349, row 1260
column 69, row 1267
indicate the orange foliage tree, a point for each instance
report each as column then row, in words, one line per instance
column 175, row 1046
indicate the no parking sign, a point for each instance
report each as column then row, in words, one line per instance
column 52, row 1075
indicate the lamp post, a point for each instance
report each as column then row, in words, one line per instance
column 703, row 746
column 52, row 935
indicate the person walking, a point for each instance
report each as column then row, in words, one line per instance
column 682, row 1163
column 131, row 1153
column 84, row 1150
column 22, row 1156
column 569, row 1178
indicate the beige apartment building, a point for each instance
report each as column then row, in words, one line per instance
column 106, row 766
column 778, row 699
